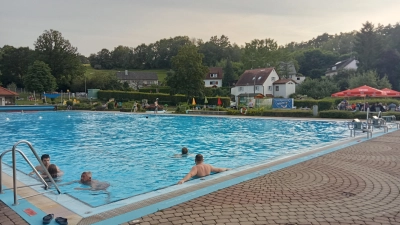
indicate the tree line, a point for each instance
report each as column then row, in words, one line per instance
column 375, row 47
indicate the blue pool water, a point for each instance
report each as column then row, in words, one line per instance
column 135, row 154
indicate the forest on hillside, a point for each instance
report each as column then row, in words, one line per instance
column 376, row 47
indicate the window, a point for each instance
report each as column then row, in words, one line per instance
column 213, row 82
column 240, row 88
column 269, row 88
column 277, row 88
column 272, row 78
column 298, row 78
column 213, row 75
column 257, row 88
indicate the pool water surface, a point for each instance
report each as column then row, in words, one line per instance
column 137, row 155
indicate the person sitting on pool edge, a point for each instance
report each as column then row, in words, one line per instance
column 95, row 185
column 201, row 169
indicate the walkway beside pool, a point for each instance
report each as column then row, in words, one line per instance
column 359, row 184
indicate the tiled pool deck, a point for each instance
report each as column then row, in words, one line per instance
column 359, row 184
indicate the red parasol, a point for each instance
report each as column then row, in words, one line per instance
column 390, row 92
column 361, row 92
column 219, row 101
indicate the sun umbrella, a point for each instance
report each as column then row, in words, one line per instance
column 205, row 100
column 219, row 101
column 194, row 102
column 390, row 92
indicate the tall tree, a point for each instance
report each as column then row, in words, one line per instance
column 261, row 53
column 389, row 64
column 317, row 88
column 369, row 78
column 368, row 47
column 188, row 72
column 14, row 64
column 39, row 78
column 229, row 74
column 313, row 63
column 61, row 56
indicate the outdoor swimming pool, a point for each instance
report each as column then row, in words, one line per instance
column 135, row 154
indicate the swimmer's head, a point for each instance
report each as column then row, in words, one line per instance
column 184, row 151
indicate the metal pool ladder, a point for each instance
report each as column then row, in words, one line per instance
column 13, row 150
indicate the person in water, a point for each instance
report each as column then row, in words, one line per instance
column 201, row 169
column 95, row 185
column 46, row 162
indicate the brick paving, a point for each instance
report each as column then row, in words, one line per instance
column 359, row 184
column 9, row 217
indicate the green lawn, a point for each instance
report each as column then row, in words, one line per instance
column 162, row 74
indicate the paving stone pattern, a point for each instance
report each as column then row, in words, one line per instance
column 359, row 184
column 9, row 217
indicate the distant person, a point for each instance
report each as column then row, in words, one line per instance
column 201, row 169
column 135, row 106
column 95, row 185
column 185, row 153
column 156, row 106
column 46, row 162
column 251, row 104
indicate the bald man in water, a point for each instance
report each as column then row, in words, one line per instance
column 201, row 169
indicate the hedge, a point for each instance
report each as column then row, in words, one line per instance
column 323, row 105
column 341, row 114
column 164, row 90
column 273, row 113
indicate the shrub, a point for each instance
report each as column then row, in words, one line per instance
column 338, row 114
column 70, row 103
column 110, row 105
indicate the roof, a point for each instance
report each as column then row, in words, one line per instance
column 214, row 70
column 284, row 81
column 261, row 75
column 6, row 92
column 340, row 65
column 136, row 75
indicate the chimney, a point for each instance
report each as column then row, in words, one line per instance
column 126, row 72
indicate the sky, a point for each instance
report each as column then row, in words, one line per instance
column 91, row 25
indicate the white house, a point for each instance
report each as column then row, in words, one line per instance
column 348, row 64
column 137, row 79
column 254, row 82
column 284, row 88
column 214, row 77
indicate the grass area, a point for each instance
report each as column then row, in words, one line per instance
column 162, row 74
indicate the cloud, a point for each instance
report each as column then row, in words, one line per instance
column 92, row 25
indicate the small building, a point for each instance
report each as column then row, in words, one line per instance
column 214, row 77
column 137, row 80
column 7, row 97
column 348, row 64
column 284, row 88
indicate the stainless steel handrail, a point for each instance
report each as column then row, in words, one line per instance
column 13, row 150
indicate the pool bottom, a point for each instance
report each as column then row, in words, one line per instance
column 124, row 210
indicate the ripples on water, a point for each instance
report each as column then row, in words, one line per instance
column 135, row 154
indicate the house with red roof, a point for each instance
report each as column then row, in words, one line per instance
column 7, row 97
column 214, row 77
column 263, row 81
